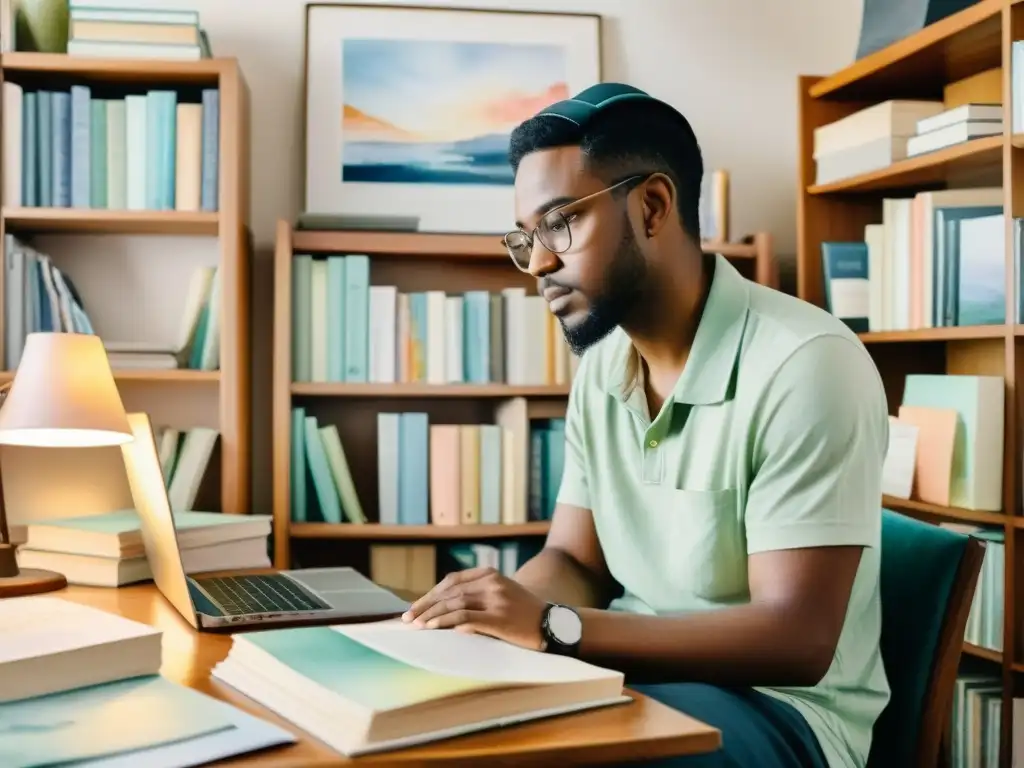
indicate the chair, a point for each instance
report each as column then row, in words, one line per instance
column 927, row 582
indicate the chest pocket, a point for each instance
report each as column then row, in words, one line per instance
column 699, row 542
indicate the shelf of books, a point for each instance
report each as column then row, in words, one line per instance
column 419, row 388
column 911, row 183
column 125, row 214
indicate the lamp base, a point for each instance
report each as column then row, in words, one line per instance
column 17, row 582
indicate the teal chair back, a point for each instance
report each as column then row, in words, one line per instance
column 927, row 582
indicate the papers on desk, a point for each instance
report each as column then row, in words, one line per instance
column 81, row 686
column 147, row 721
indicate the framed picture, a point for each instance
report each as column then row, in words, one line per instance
column 409, row 110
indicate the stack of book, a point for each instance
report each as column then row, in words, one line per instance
column 870, row 139
column 955, row 126
column 86, row 148
column 37, row 297
column 135, row 33
column 107, row 550
column 985, row 621
column 934, row 260
column 344, row 329
column 976, row 719
column 74, row 668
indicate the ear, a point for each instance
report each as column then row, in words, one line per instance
column 658, row 200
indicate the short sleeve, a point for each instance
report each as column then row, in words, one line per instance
column 574, row 490
column 820, row 435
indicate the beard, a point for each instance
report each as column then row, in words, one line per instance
column 624, row 283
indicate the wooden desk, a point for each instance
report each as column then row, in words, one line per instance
column 641, row 729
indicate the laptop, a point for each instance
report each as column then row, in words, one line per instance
column 314, row 595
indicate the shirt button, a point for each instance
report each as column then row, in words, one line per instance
column 653, row 443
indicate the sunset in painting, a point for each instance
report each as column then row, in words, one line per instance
column 435, row 112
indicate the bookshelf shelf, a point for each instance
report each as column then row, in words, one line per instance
column 177, row 376
column 983, row 653
column 131, row 71
column 935, row 334
column 923, row 170
column 912, row 506
column 377, row 532
column 95, row 221
column 963, row 44
column 82, row 239
column 977, row 41
column 328, row 389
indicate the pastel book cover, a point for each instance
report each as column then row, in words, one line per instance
column 976, row 478
column 385, row 685
column 934, row 460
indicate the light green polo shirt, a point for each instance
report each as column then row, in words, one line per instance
column 773, row 438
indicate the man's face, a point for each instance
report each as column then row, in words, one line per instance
column 594, row 285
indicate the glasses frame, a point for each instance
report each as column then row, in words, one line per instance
column 531, row 236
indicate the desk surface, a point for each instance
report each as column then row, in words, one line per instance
column 641, row 729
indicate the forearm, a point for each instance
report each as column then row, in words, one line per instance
column 744, row 645
column 557, row 577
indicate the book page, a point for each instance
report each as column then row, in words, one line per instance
column 38, row 626
column 447, row 652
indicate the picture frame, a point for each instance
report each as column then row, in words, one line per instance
column 408, row 108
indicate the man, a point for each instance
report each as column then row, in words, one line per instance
column 718, row 523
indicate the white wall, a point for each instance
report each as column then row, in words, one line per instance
column 729, row 65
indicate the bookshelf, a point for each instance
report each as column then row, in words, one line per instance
column 971, row 43
column 131, row 264
column 412, row 262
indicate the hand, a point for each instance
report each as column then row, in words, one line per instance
column 484, row 601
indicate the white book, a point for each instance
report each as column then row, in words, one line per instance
column 958, row 133
column 436, row 373
column 453, row 336
column 48, row 644
column 383, row 339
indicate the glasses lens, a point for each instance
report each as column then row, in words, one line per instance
column 554, row 232
column 518, row 245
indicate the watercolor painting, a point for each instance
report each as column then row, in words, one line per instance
column 440, row 112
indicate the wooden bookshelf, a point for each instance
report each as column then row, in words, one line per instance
column 970, row 42
column 220, row 398
column 412, row 262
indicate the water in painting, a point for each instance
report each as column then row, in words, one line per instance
column 438, row 112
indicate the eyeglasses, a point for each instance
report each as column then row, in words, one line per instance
column 553, row 231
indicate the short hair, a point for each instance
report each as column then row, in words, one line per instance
column 632, row 136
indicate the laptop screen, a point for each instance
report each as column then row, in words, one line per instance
column 158, row 534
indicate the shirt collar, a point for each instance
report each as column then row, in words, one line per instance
column 708, row 373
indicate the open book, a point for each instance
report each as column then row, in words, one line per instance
column 379, row 686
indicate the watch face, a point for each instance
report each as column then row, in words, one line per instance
column 565, row 625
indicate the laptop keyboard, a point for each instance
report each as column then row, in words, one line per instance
column 241, row 595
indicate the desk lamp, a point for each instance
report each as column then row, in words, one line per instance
column 63, row 396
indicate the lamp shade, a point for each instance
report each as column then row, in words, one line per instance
column 63, row 395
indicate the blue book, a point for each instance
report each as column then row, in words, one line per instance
column 946, row 255
column 414, row 477
column 30, row 161
column 476, row 335
column 60, row 130
column 210, row 168
column 981, row 284
column 845, row 269
column 336, row 325
column 81, row 146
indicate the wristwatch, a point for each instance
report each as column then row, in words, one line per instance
column 562, row 630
